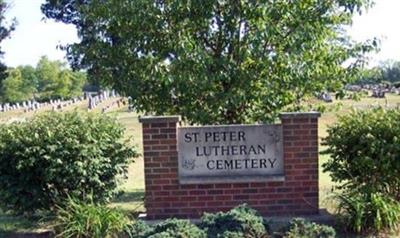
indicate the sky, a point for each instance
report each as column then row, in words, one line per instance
column 35, row 37
column 381, row 21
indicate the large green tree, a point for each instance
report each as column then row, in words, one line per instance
column 12, row 87
column 20, row 84
column 391, row 71
column 55, row 80
column 214, row 61
column 30, row 79
column 387, row 72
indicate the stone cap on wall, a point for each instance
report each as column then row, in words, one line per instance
column 287, row 115
column 158, row 119
column 177, row 118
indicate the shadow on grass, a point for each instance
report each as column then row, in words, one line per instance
column 10, row 224
column 130, row 201
column 130, row 196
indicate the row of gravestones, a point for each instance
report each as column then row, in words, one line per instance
column 58, row 104
column 32, row 105
column 94, row 101
column 378, row 90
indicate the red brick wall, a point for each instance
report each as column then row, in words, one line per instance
column 297, row 195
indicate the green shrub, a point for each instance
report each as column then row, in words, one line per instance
column 241, row 221
column 170, row 228
column 368, row 212
column 55, row 154
column 300, row 228
column 137, row 229
column 365, row 164
column 365, row 151
column 88, row 220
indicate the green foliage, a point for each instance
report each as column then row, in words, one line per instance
column 56, row 81
column 301, row 228
column 88, row 220
column 214, row 61
column 30, row 80
column 241, row 221
column 368, row 212
column 174, row 228
column 138, row 229
column 364, row 163
column 370, row 76
column 387, row 72
column 20, row 84
column 391, row 71
column 54, row 155
column 170, row 228
column 364, row 149
column 11, row 87
column 49, row 80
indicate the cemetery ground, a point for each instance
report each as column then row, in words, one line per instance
column 132, row 198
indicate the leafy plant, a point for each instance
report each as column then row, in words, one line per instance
column 137, row 229
column 54, row 155
column 170, row 228
column 241, row 221
column 78, row 219
column 368, row 212
column 364, row 163
column 301, row 228
column 364, row 148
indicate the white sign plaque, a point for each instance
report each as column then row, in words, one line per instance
column 233, row 153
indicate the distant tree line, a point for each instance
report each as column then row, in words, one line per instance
column 49, row 80
column 387, row 72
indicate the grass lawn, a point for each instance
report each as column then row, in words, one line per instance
column 132, row 198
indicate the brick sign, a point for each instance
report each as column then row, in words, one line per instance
column 236, row 153
column 192, row 170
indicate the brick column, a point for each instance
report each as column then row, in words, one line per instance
column 300, row 138
column 160, row 163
